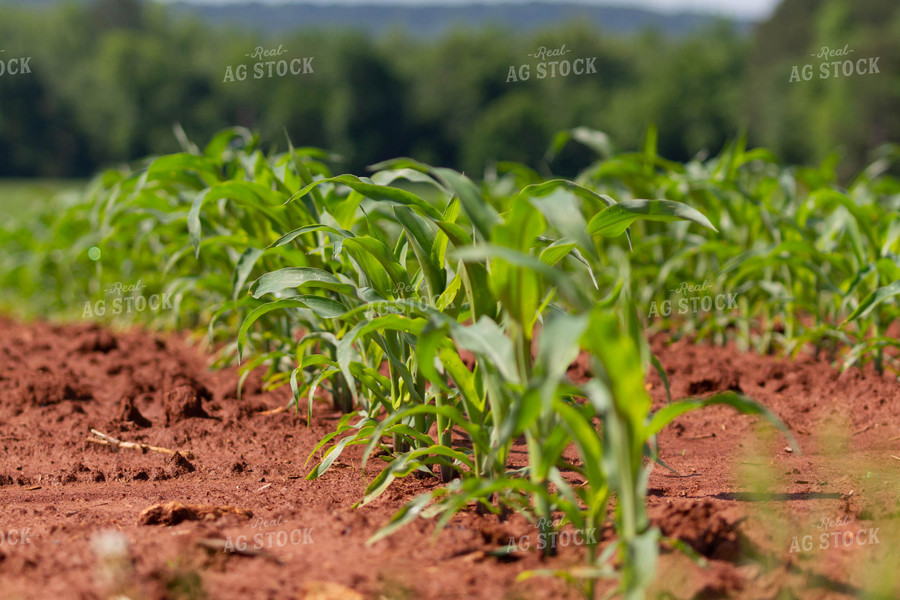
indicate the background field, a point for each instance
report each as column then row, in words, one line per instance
column 22, row 196
column 110, row 79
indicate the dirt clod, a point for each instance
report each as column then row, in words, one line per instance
column 185, row 401
column 97, row 340
column 179, row 465
column 54, row 387
column 324, row 590
column 129, row 413
column 173, row 513
column 702, row 526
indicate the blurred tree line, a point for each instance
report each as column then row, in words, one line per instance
column 110, row 78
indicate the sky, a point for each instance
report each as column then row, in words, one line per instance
column 748, row 9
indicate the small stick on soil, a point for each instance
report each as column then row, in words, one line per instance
column 865, row 429
column 108, row 440
column 897, row 457
column 273, row 411
column 702, row 437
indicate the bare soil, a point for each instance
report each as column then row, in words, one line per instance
column 231, row 515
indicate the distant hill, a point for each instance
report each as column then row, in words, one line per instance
column 431, row 20
column 434, row 19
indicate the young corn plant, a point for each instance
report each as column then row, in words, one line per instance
column 509, row 392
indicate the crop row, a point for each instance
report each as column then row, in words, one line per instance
column 440, row 315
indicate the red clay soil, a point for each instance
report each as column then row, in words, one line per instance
column 235, row 517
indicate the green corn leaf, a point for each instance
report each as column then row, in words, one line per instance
column 377, row 264
column 662, row 375
column 870, row 346
column 295, row 277
column 335, row 451
column 409, row 513
column 566, row 286
column 614, row 220
column 342, row 427
column 557, row 349
column 345, row 210
column 873, row 300
column 441, row 239
column 292, row 235
column 170, row 164
column 639, row 570
column 322, row 306
column 892, row 234
column 545, row 188
column 421, row 240
column 379, row 324
column 482, row 215
column 457, row 234
column 306, row 177
column 380, row 251
column 596, row 140
column 556, row 251
column 739, row 402
column 251, row 194
column 561, row 208
column 434, row 335
column 242, row 271
column 475, row 273
column 586, row 437
column 218, row 144
column 465, row 380
column 388, row 176
column 371, row 190
column 454, row 416
column 400, row 467
column 487, row 340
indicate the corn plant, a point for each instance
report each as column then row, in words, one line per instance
column 440, row 314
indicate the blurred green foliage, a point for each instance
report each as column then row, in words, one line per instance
column 110, row 79
column 21, row 197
